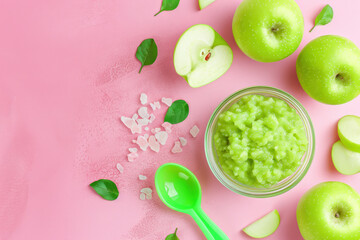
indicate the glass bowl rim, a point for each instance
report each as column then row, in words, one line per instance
column 236, row 186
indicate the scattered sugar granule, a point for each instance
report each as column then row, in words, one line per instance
column 143, row 112
column 161, row 137
column 143, row 98
column 142, row 122
column 131, row 124
column 147, row 192
column 153, row 144
column 183, row 141
column 132, row 156
column 152, row 118
column 133, row 150
column 142, row 142
column 167, row 101
column 167, row 127
column 146, row 128
column 142, row 177
column 135, row 116
column 155, row 130
column 194, row 131
column 142, row 196
column 155, row 105
column 133, row 141
column 120, row 167
column 177, row 148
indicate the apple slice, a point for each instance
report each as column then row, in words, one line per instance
column 204, row 3
column 265, row 226
column 201, row 55
column 349, row 132
column 345, row 161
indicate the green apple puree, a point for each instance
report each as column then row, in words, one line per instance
column 260, row 140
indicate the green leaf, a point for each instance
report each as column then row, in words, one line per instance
column 147, row 52
column 324, row 17
column 177, row 112
column 172, row 236
column 106, row 189
column 168, row 5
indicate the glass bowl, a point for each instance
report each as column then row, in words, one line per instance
column 285, row 184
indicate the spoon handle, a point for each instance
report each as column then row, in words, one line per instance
column 207, row 226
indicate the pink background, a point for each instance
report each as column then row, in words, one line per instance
column 68, row 72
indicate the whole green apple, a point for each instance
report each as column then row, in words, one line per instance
column 328, row 69
column 268, row 31
column 329, row 211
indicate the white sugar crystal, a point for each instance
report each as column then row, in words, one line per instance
column 143, row 98
column 142, row 142
column 146, row 128
column 167, row 126
column 133, row 141
column 146, row 190
column 161, row 137
column 146, row 136
column 155, row 105
column 120, row 167
column 177, row 148
column 148, row 196
column 143, row 112
column 147, row 193
column 153, row 144
column 132, row 156
column 133, row 150
column 152, row 118
column 142, row 122
column 142, row 196
column 183, row 141
column 142, row 177
column 194, row 131
column 167, row 101
column 135, row 116
column 131, row 124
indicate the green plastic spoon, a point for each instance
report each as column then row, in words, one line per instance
column 180, row 190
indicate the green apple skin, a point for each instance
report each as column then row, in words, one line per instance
column 329, row 211
column 349, row 132
column 328, row 69
column 268, row 31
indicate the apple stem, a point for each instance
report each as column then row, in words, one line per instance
column 312, row 28
column 337, row 215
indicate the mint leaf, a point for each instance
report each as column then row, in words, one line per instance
column 324, row 17
column 106, row 189
column 168, row 5
column 177, row 112
column 147, row 52
column 172, row 236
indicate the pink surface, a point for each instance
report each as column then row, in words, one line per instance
column 68, row 72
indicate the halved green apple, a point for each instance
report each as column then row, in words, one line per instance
column 265, row 226
column 349, row 132
column 201, row 55
column 345, row 161
column 204, row 3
